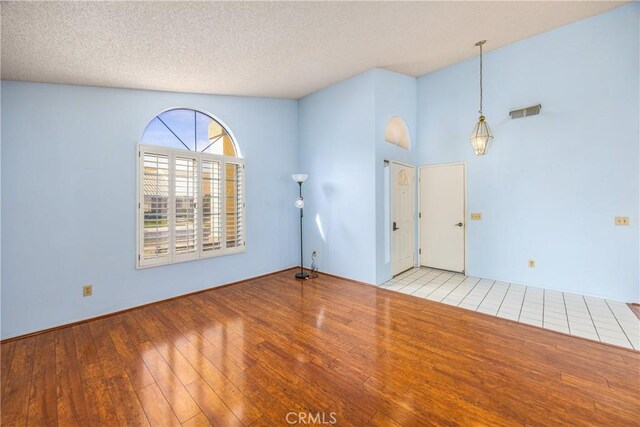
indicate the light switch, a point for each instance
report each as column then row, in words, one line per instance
column 476, row 216
column 622, row 220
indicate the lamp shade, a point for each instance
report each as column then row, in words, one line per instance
column 481, row 137
column 300, row 177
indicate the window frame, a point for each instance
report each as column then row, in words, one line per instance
column 172, row 257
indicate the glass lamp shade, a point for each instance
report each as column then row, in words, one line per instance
column 300, row 177
column 299, row 203
column 481, row 137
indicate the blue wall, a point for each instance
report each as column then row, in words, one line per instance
column 68, row 200
column 342, row 147
column 337, row 149
column 395, row 95
column 550, row 185
column 548, row 189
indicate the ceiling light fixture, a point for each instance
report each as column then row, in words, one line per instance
column 481, row 135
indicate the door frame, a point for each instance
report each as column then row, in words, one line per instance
column 466, row 214
column 416, row 235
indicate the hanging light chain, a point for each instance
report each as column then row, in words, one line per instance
column 480, row 43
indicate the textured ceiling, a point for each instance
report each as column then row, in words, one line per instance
column 279, row 49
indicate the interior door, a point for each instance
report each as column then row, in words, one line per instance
column 442, row 215
column 402, row 217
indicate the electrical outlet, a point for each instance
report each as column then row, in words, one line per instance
column 532, row 263
column 87, row 290
column 622, row 220
column 476, row 216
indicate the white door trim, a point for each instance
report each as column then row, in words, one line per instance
column 409, row 165
column 466, row 214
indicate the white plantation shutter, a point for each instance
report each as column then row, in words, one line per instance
column 234, row 205
column 191, row 205
column 155, row 208
column 185, row 196
column 211, row 206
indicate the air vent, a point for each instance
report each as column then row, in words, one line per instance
column 525, row 112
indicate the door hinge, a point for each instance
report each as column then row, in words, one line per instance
column 138, row 205
column 138, row 257
column 419, row 214
column 419, row 251
column 138, row 154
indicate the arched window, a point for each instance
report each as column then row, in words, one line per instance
column 190, row 189
column 397, row 132
column 190, row 130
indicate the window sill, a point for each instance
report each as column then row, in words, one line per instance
column 150, row 264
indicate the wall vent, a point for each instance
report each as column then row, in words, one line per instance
column 525, row 112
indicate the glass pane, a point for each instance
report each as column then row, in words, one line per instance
column 235, row 206
column 211, row 205
column 156, row 206
column 183, row 123
column 186, row 213
column 202, row 132
column 189, row 130
column 216, row 137
column 157, row 134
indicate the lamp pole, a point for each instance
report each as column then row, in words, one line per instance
column 301, row 275
column 300, row 178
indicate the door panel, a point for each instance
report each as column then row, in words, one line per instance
column 442, row 208
column 402, row 217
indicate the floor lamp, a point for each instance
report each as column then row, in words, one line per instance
column 300, row 178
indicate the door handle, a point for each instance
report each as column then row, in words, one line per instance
column 458, row 224
column 395, row 227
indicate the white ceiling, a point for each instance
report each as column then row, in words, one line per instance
column 276, row 49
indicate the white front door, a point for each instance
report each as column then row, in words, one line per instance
column 402, row 217
column 442, row 211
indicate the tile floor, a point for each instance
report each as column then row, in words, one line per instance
column 602, row 320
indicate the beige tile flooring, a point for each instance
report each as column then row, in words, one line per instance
column 598, row 319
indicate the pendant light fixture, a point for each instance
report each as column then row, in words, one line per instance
column 481, row 135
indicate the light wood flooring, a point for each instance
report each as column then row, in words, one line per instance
column 252, row 353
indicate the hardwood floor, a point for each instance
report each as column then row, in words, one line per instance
column 251, row 354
